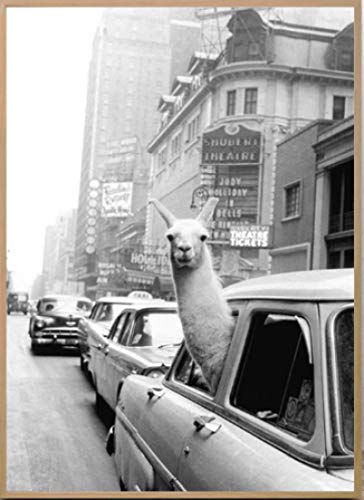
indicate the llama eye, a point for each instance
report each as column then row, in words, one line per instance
column 203, row 237
column 170, row 237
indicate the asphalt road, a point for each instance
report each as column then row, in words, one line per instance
column 55, row 440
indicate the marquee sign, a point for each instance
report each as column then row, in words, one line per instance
column 251, row 236
column 231, row 144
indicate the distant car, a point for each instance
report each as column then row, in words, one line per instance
column 282, row 415
column 17, row 302
column 56, row 321
column 143, row 339
column 102, row 316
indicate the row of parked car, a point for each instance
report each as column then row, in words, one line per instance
column 281, row 418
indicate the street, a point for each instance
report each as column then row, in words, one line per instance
column 55, row 440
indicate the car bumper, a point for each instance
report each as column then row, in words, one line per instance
column 57, row 336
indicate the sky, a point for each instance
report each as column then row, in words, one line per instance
column 48, row 54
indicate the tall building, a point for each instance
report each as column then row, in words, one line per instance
column 136, row 54
column 58, row 255
column 223, row 118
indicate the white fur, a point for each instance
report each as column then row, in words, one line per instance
column 204, row 312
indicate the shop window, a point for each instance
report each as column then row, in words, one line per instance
column 251, row 99
column 277, row 362
column 338, row 112
column 292, row 197
column 230, row 102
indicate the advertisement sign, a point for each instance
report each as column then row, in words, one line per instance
column 146, row 258
column 251, row 236
column 231, row 144
column 106, row 271
column 116, row 199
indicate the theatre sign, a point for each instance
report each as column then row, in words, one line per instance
column 231, row 144
column 251, row 236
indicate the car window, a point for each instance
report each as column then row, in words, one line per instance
column 157, row 328
column 275, row 378
column 189, row 373
column 107, row 311
column 47, row 305
column 124, row 335
column 344, row 340
column 118, row 327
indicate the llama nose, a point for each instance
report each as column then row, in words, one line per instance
column 185, row 247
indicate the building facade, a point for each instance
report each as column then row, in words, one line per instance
column 222, row 120
column 314, row 198
column 133, row 61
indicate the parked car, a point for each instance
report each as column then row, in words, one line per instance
column 103, row 314
column 17, row 302
column 281, row 418
column 55, row 323
column 143, row 339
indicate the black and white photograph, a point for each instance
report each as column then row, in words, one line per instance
column 180, row 250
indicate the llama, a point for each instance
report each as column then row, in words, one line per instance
column 205, row 315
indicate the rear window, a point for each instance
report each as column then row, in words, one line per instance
column 275, row 382
column 344, row 340
column 107, row 311
column 157, row 329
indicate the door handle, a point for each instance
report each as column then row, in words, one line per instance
column 156, row 392
column 206, row 422
column 106, row 350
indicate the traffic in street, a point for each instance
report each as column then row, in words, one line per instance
column 55, row 440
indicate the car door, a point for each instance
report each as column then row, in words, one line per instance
column 114, row 365
column 268, row 420
column 159, row 417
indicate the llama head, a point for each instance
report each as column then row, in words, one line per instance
column 187, row 236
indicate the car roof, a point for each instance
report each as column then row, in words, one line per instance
column 64, row 297
column 153, row 304
column 323, row 285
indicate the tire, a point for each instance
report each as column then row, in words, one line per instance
column 35, row 348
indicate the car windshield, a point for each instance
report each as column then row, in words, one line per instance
column 344, row 339
column 52, row 304
column 21, row 297
column 157, row 329
column 107, row 311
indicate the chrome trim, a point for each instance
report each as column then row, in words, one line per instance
column 156, row 463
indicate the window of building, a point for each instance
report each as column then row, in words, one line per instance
column 347, row 60
column 338, row 112
column 251, row 99
column 193, row 128
column 230, row 102
column 278, row 362
column 162, row 158
column 253, row 51
column 292, row 200
column 342, row 198
column 176, row 145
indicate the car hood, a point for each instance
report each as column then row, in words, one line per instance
column 156, row 355
column 64, row 313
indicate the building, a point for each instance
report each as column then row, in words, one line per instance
column 59, row 247
column 314, row 198
column 136, row 53
column 223, row 118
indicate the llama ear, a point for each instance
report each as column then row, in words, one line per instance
column 207, row 211
column 166, row 215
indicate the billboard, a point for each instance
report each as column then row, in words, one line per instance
column 116, row 199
